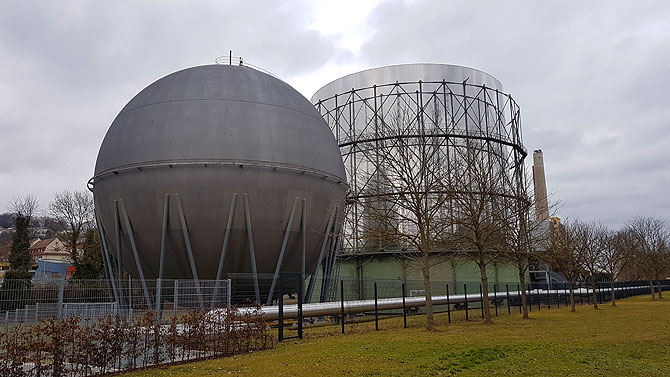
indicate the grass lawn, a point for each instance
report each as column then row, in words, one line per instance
column 632, row 339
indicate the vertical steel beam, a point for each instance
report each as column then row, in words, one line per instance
column 191, row 260
column 330, row 260
column 117, row 225
column 133, row 246
column 312, row 280
column 222, row 258
column 105, row 250
column 282, row 251
column 161, row 263
column 252, row 252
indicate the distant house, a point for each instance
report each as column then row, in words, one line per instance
column 50, row 249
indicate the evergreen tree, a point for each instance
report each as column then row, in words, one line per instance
column 20, row 260
column 89, row 264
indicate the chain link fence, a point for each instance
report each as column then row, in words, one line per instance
column 24, row 301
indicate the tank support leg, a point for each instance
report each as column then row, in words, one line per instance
column 251, row 248
column 222, row 259
column 161, row 263
column 117, row 225
column 282, row 251
column 330, row 260
column 129, row 228
column 312, row 279
column 187, row 241
column 303, row 230
column 105, row 254
column 119, row 251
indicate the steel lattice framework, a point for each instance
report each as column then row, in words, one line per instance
column 458, row 118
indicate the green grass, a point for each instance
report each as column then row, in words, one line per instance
column 632, row 339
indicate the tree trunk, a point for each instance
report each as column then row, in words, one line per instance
column 653, row 292
column 73, row 247
column 613, row 293
column 522, row 281
column 660, row 292
column 430, row 321
column 485, row 293
column 572, row 297
column 593, row 292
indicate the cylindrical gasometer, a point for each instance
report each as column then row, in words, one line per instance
column 198, row 138
column 460, row 114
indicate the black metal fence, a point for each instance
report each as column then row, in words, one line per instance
column 364, row 300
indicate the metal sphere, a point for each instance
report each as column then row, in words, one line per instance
column 202, row 135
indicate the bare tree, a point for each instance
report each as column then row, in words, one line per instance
column 524, row 239
column 483, row 215
column 519, row 251
column 593, row 238
column 652, row 238
column 407, row 197
column 24, row 206
column 564, row 250
column 617, row 254
column 73, row 212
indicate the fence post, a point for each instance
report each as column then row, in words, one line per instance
column 176, row 296
column 518, row 292
column 61, row 294
column 495, row 297
column 539, row 298
column 465, row 295
column 558, row 298
column 130, row 297
column 37, row 310
column 159, row 307
column 229, row 299
column 528, row 301
column 509, row 310
column 342, row 304
column 300, row 297
column 481, row 300
column 376, row 311
column 280, row 327
column 448, row 306
column 404, row 308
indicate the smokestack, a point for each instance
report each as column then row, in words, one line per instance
column 540, row 187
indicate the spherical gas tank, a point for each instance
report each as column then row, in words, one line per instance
column 206, row 144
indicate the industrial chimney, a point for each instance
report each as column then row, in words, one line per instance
column 540, row 187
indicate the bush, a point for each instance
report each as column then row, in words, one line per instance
column 74, row 347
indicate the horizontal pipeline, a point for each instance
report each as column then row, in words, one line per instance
column 271, row 313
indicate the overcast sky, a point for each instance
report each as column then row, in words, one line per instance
column 592, row 77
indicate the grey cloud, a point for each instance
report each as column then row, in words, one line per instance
column 69, row 67
column 591, row 79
